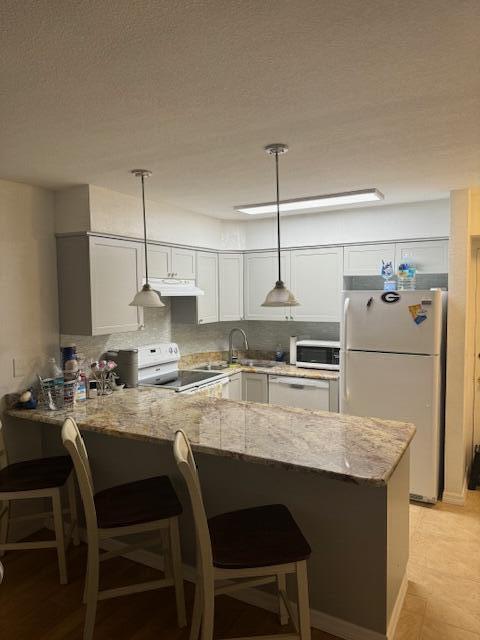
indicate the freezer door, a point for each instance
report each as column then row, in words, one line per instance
column 382, row 321
column 405, row 388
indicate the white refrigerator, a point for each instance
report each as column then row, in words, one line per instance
column 391, row 366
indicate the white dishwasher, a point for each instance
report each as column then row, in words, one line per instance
column 304, row 393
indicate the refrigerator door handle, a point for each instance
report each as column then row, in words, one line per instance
column 346, row 305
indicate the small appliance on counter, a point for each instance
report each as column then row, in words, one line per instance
column 315, row 354
column 156, row 365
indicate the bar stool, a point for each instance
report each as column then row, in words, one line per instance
column 136, row 507
column 41, row 478
column 261, row 544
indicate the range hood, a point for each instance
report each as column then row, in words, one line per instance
column 171, row 287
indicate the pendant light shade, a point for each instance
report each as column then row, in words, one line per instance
column 146, row 297
column 279, row 296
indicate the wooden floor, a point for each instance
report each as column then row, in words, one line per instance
column 34, row 606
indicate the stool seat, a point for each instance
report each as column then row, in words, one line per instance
column 44, row 473
column 137, row 503
column 256, row 537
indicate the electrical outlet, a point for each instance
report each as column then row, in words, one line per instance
column 20, row 367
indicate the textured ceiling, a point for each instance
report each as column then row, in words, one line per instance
column 366, row 93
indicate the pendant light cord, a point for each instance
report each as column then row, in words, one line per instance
column 278, row 217
column 144, row 228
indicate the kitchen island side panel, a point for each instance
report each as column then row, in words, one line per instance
column 345, row 523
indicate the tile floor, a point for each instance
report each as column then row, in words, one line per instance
column 443, row 598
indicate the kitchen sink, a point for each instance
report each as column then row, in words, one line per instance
column 249, row 362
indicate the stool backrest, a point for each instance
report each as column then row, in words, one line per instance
column 73, row 443
column 186, row 464
column 3, row 449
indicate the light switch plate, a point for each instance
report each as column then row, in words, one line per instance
column 20, row 367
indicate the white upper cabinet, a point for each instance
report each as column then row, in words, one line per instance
column 183, row 264
column 159, row 259
column 261, row 273
column 207, row 280
column 366, row 259
column 171, row 262
column 97, row 280
column 316, row 282
column 116, row 275
column 430, row 256
column 230, row 286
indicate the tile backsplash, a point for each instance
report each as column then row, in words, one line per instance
column 193, row 338
column 262, row 335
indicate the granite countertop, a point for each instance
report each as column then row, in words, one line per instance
column 279, row 369
column 360, row 450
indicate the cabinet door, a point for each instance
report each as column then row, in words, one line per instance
column 116, row 275
column 159, row 261
column 183, row 264
column 366, row 260
column 261, row 273
column 430, row 256
column 316, row 276
column 207, row 279
column 233, row 389
column 230, row 286
column 255, row 387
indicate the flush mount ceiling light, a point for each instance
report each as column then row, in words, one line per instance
column 279, row 296
column 146, row 297
column 314, row 202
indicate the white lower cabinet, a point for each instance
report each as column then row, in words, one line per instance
column 316, row 277
column 255, row 387
column 428, row 257
column 233, row 389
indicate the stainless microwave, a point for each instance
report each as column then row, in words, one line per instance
column 316, row 354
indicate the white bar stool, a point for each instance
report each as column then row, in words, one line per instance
column 40, row 478
column 256, row 546
column 136, row 507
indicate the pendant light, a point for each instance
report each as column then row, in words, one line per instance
column 279, row 296
column 146, row 297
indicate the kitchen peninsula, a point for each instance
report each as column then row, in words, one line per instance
column 344, row 478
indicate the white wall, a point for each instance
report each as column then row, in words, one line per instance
column 465, row 212
column 121, row 214
column 28, row 281
column 392, row 222
column 29, row 309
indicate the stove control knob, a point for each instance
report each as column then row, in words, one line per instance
column 171, row 350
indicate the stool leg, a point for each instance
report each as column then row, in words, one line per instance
column 167, row 557
column 208, row 598
column 72, row 503
column 197, row 612
column 177, row 570
column 303, row 602
column 282, row 609
column 59, row 535
column 4, row 522
column 91, row 590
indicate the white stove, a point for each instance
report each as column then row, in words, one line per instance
column 158, row 367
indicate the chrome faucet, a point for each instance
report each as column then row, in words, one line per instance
column 231, row 357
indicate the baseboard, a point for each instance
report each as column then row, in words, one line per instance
column 452, row 497
column 269, row 602
column 397, row 608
